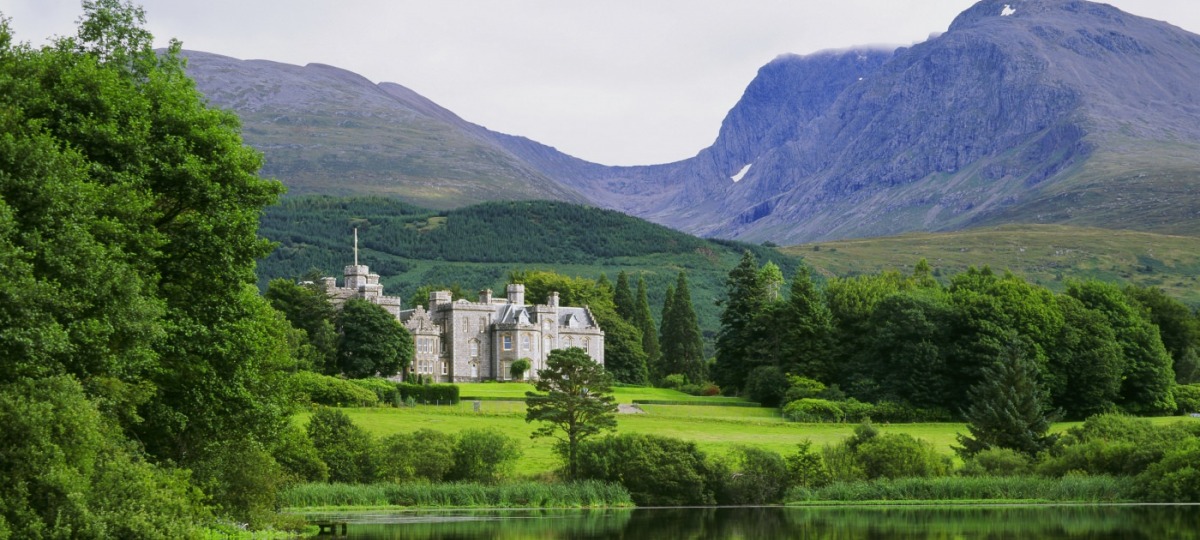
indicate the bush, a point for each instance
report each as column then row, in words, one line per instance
column 674, row 381
column 331, row 391
column 295, row 452
column 997, row 462
column 899, row 455
column 519, row 367
column 657, row 471
column 1187, row 397
column 814, row 411
column 1114, row 444
column 1174, row 479
column 806, row 468
column 484, row 455
column 242, row 479
column 803, row 388
column 385, row 390
column 344, row 447
column 424, row 454
column 766, row 385
column 445, row 394
column 751, row 476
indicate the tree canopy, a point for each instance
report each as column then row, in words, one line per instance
column 577, row 404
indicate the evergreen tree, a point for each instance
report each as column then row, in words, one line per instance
column 659, row 369
column 809, row 325
column 683, row 347
column 1008, row 407
column 623, row 298
column 645, row 322
column 771, row 278
column 578, row 403
column 746, row 297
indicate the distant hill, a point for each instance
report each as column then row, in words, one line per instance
column 476, row 247
column 1024, row 111
column 1050, row 255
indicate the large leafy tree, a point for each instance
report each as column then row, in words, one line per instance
column 908, row 347
column 371, row 341
column 1177, row 326
column 577, row 403
column 307, row 307
column 128, row 212
column 1086, row 363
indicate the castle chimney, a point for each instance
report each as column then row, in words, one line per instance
column 485, row 296
column 516, row 294
column 553, row 300
column 437, row 298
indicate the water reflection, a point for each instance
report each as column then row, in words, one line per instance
column 946, row 523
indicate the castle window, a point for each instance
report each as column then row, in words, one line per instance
column 482, row 324
column 474, row 371
column 525, row 342
column 445, row 368
column 507, row 342
column 568, row 343
column 474, row 347
column 466, row 325
column 585, row 345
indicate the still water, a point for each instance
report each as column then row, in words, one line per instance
column 875, row 523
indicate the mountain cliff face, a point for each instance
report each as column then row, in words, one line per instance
column 1026, row 111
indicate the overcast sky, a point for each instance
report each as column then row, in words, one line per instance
column 619, row 82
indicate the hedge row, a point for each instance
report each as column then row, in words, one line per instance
column 700, row 403
column 429, row 393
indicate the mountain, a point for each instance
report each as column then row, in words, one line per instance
column 1024, row 111
column 326, row 130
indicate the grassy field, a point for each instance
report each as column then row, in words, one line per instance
column 1048, row 255
column 715, row 429
column 623, row 394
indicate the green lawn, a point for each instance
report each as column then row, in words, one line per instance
column 715, row 429
column 623, row 394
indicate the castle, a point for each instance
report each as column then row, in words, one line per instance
column 463, row 341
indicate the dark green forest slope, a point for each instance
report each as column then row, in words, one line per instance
column 476, row 247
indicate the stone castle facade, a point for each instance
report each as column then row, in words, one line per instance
column 463, row 341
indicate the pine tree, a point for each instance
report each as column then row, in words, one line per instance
column 745, row 300
column 659, row 369
column 682, row 345
column 623, row 298
column 645, row 321
column 1007, row 407
column 808, row 342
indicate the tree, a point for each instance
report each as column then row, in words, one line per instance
column 645, row 322
column 346, row 448
column 518, row 368
column 1008, row 407
column 1178, row 327
column 578, row 404
column 660, row 370
column 746, row 298
column 371, row 341
column 807, row 347
column 623, row 298
column 683, row 347
column 1085, row 364
column 484, row 455
column 307, row 308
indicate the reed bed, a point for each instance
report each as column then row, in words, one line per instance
column 1078, row 489
column 585, row 494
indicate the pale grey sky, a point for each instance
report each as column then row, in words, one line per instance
column 619, row 82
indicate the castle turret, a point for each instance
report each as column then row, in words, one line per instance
column 516, row 294
column 485, row 296
column 437, row 298
column 552, row 301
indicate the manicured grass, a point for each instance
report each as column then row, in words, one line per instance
column 714, row 429
column 517, row 390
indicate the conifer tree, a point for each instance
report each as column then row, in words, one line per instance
column 645, row 321
column 682, row 345
column 808, row 342
column 1007, row 407
column 623, row 298
column 745, row 299
column 659, row 370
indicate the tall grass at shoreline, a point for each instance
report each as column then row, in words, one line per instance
column 585, row 494
column 1081, row 489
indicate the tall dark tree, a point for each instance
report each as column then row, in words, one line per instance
column 659, row 369
column 307, row 308
column 1177, row 326
column 683, row 346
column 809, row 330
column 1086, row 364
column 906, row 357
column 577, row 404
column 623, row 298
column 371, row 341
column 645, row 322
column 1008, row 406
column 746, row 298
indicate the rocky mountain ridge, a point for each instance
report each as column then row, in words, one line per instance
column 1025, row 111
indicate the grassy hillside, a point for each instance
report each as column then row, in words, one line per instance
column 476, row 247
column 1048, row 255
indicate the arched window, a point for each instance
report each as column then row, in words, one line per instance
column 586, row 344
column 474, row 348
column 525, row 346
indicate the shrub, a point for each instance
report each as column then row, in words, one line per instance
column 802, row 388
column 813, row 410
column 1113, row 444
column 751, row 476
column 385, row 390
column 899, row 455
column 325, row 390
column 997, row 462
column 484, row 455
column 519, row 367
column 806, row 468
column 1187, row 397
column 766, row 385
column 445, row 394
column 242, row 479
column 295, row 452
column 424, row 454
column 1175, row 478
column 344, row 447
column 657, row 471
column 674, row 381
